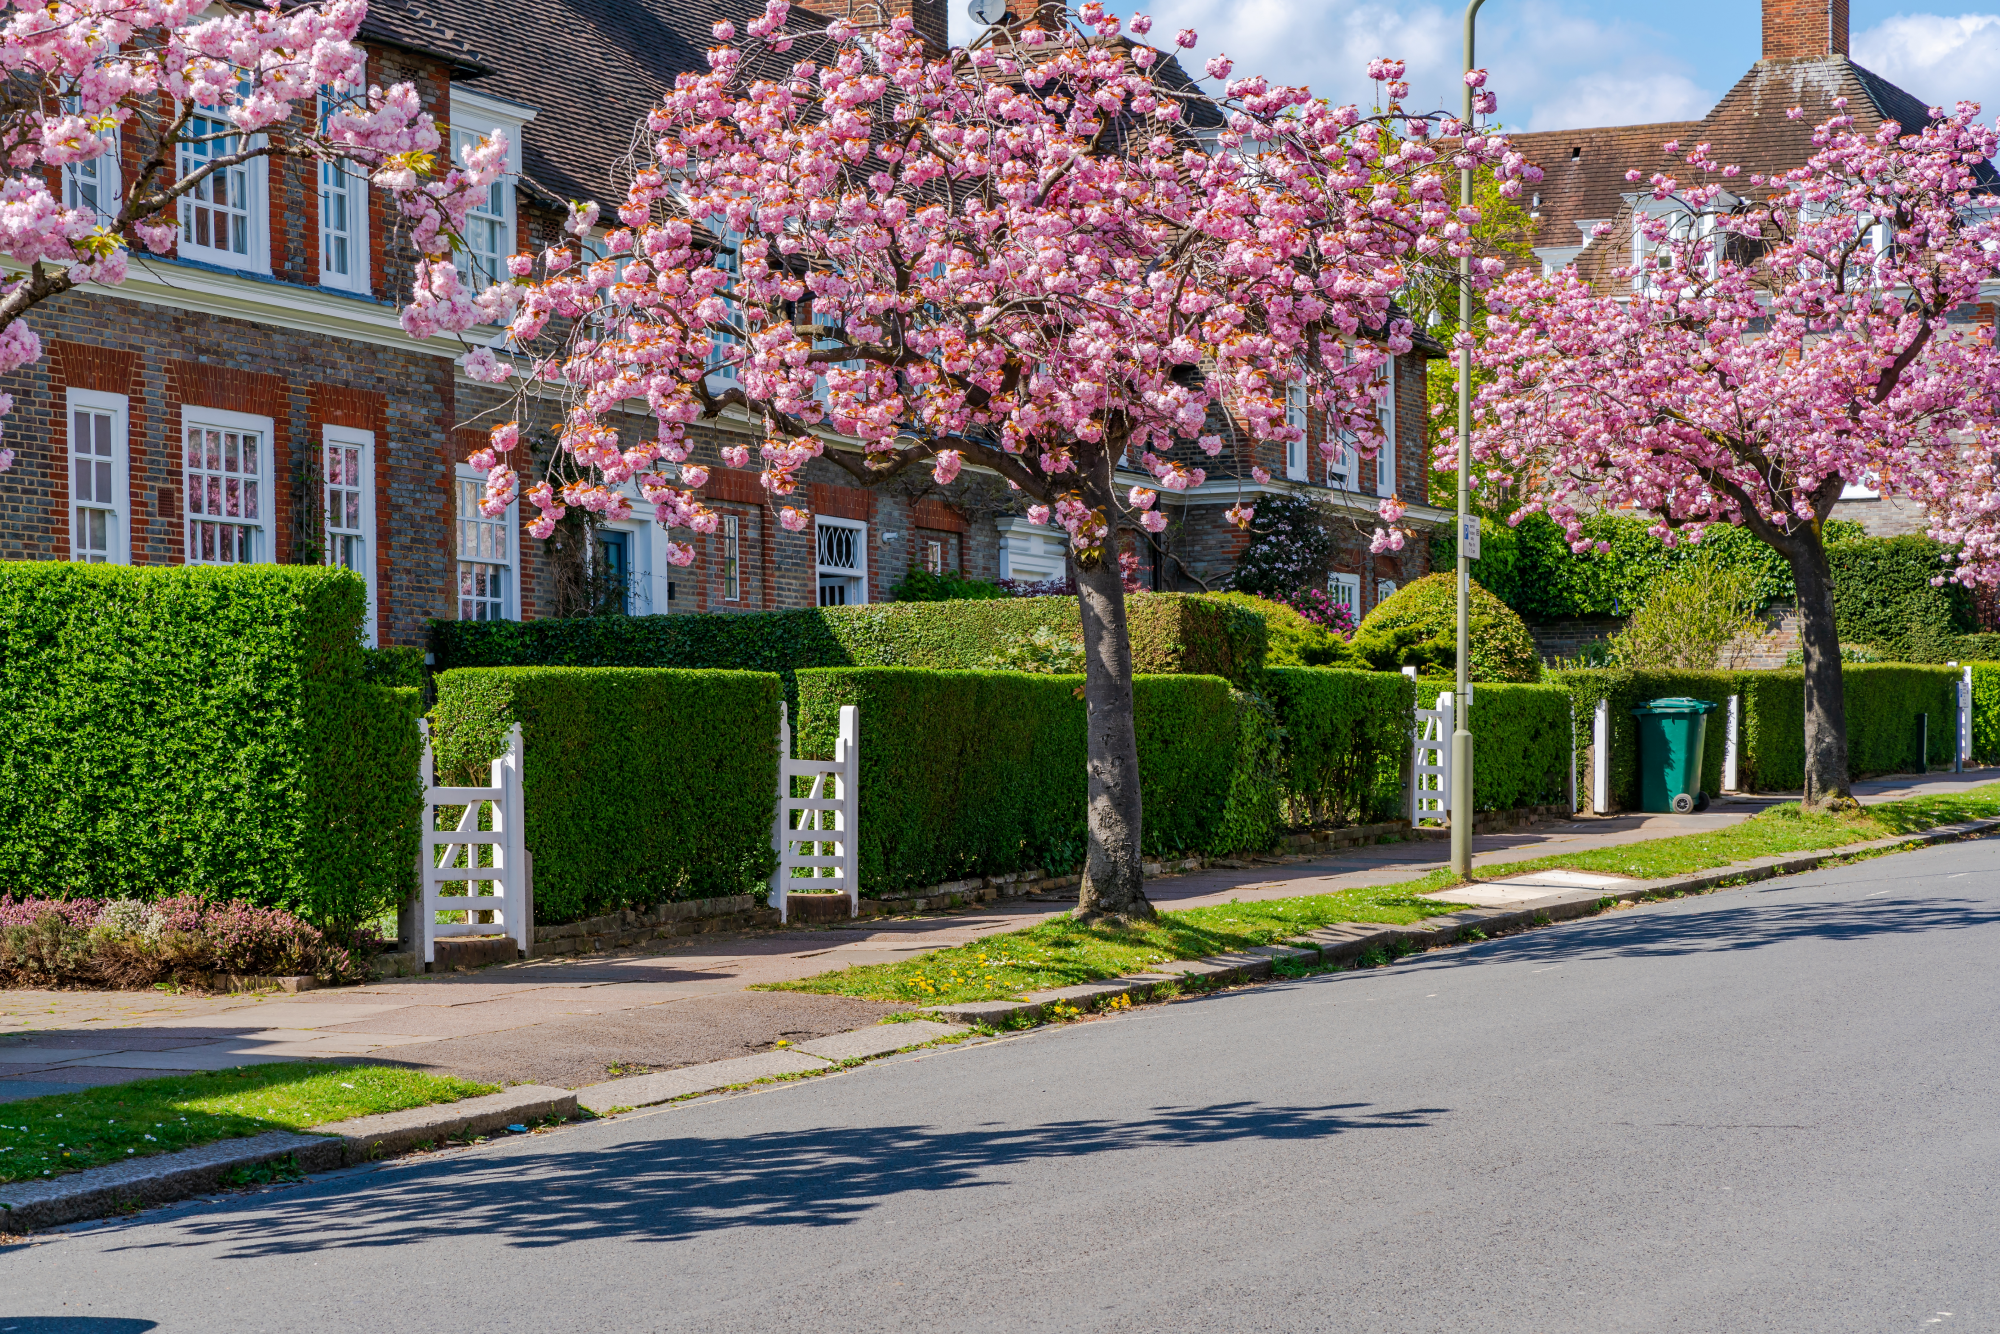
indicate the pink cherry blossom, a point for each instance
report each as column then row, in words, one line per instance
column 1769, row 350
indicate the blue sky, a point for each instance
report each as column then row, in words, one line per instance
column 1560, row 64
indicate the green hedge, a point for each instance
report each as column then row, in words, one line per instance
column 1625, row 689
column 201, row 730
column 398, row 665
column 1344, row 734
column 1523, row 754
column 1884, row 702
column 1883, row 596
column 1985, row 712
column 1172, row 633
column 982, row 773
column 641, row 785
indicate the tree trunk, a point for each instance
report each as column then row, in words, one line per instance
column 1825, row 703
column 1114, row 888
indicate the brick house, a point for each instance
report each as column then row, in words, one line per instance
column 1804, row 64
column 254, row 398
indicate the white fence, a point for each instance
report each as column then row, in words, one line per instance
column 1430, row 763
column 815, row 832
column 452, row 858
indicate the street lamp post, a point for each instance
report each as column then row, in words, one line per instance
column 1461, row 735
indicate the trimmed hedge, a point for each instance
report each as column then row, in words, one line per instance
column 641, row 785
column 982, row 773
column 1523, row 752
column 201, row 730
column 1884, row 701
column 1985, row 712
column 399, row 665
column 1172, row 634
column 1343, row 741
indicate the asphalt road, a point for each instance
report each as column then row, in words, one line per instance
column 1768, row 1109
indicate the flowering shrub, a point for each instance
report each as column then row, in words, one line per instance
column 1318, row 607
column 1289, row 548
column 131, row 943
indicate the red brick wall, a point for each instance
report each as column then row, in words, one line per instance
column 1804, row 29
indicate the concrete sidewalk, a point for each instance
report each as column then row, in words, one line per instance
column 576, row 1021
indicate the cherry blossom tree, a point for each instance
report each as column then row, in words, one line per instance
column 188, row 93
column 1042, row 257
column 1774, row 341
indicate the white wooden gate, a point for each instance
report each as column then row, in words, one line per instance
column 452, row 857
column 1430, row 763
column 815, row 832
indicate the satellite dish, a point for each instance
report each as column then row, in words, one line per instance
column 988, row 12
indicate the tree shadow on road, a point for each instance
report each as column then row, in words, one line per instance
column 1645, row 934
column 669, row 1189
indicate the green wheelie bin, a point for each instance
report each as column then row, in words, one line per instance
column 1671, row 733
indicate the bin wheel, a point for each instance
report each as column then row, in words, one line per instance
column 1683, row 803
column 1700, row 802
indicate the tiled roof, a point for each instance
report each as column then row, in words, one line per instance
column 1747, row 128
column 592, row 69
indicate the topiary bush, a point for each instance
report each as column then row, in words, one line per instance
column 1502, row 648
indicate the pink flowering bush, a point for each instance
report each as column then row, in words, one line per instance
column 1318, row 607
column 134, row 943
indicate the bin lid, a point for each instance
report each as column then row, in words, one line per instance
column 1675, row 704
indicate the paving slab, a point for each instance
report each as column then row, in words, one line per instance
column 645, row 1090
column 152, row 1062
column 880, row 1040
column 12, row 1090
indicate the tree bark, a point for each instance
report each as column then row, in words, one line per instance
column 1114, row 884
column 1826, row 787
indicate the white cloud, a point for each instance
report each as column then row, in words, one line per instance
column 1938, row 59
column 1554, row 65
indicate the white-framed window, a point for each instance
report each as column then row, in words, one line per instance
column 226, row 474
column 1296, row 468
column 843, row 561
column 1345, row 591
column 93, row 184
column 732, row 559
column 343, row 222
column 1385, row 416
column 100, row 492
column 721, row 371
column 489, row 228
column 933, row 555
column 1384, row 590
column 347, row 496
column 1029, row 552
column 486, row 554
column 223, row 219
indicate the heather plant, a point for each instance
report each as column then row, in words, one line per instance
column 134, row 943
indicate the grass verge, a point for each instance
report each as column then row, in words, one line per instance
column 1060, row 954
column 65, row 1132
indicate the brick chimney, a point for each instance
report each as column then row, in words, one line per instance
column 1804, row 29
column 929, row 15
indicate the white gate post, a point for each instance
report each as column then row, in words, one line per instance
column 1430, row 758
column 781, row 813
column 1600, row 766
column 1569, row 770
column 1731, row 744
column 1964, row 731
column 847, row 787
